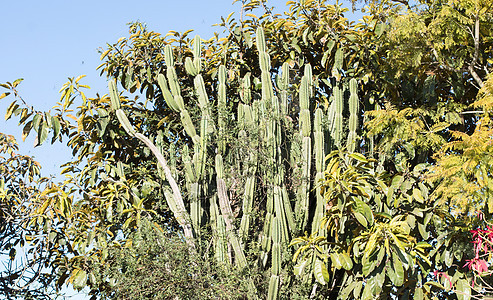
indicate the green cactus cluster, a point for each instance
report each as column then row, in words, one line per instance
column 268, row 209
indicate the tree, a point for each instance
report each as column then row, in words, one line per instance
column 383, row 236
column 227, row 151
column 26, row 272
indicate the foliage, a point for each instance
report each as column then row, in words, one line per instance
column 429, row 65
column 384, row 236
column 482, row 240
column 225, row 153
column 25, row 253
column 463, row 169
column 162, row 267
column 207, row 105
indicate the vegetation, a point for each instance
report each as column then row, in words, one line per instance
column 300, row 156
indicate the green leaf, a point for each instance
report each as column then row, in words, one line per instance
column 344, row 294
column 56, row 127
column 92, row 278
column 320, row 272
column 357, row 286
column 448, row 258
column 25, row 131
column 399, row 271
column 463, row 290
column 13, row 106
column 298, row 269
column 422, row 230
column 361, row 219
column 418, row 294
column 359, row 157
column 365, row 210
column 391, row 274
column 417, row 196
column 378, row 282
column 411, row 221
column 435, row 284
column 336, row 260
column 367, row 293
column 42, row 134
column 338, row 59
column 380, row 255
column 16, row 82
column 346, row 261
column 79, row 278
column 379, row 29
column 36, row 120
column 369, row 265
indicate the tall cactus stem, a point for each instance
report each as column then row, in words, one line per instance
column 353, row 115
column 227, row 212
column 338, row 117
column 221, row 105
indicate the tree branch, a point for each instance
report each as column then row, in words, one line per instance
column 471, row 66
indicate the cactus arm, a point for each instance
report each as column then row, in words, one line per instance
column 221, row 108
column 276, row 259
column 319, row 166
column 338, row 117
column 302, row 205
column 227, row 214
column 353, row 115
column 245, row 93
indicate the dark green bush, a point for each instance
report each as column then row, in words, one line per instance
column 160, row 266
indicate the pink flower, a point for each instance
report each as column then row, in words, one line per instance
column 476, row 264
column 444, row 275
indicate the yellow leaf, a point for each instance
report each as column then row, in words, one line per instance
column 79, row 78
column 103, row 55
column 80, row 123
column 72, row 117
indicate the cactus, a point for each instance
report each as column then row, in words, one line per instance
column 276, row 260
column 302, row 204
column 353, row 115
column 227, row 213
column 264, row 61
column 319, row 167
column 122, row 118
column 244, row 91
column 114, row 98
column 338, row 117
column 283, row 87
column 221, row 108
column 193, row 67
column 244, row 189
